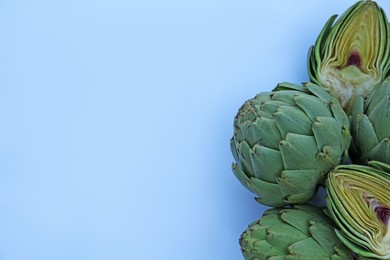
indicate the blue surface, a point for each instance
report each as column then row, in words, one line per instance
column 116, row 118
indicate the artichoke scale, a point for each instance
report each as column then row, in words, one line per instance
column 321, row 93
column 290, row 86
column 345, row 144
column 308, row 248
column 299, row 152
column 357, row 109
column 269, row 107
column 269, row 219
column 364, row 136
column 298, row 182
column 380, row 152
column 300, row 219
column 285, row 96
column 325, row 236
column 280, row 236
column 292, row 120
column 380, row 118
column 244, row 153
column 324, row 137
column 380, row 166
column 267, row 133
column 269, row 193
column 233, row 149
column 240, row 175
column 267, row 163
column 312, row 106
column 377, row 94
column 264, row 250
column 339, row 114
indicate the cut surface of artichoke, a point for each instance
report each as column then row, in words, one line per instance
column 351, row 56
column 359, row 200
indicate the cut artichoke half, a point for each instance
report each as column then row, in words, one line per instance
column 352, row 55
column 359, row 202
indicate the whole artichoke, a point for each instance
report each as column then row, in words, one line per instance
column 303, row 232
column 286, row 141
column 352, row 55
column 359, row 202
column 370, row 126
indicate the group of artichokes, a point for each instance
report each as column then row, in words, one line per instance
column 333, row 131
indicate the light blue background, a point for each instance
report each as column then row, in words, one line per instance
column 116, row 118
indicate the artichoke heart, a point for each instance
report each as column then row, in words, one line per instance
column 359, row 202
column 302, row 232
column 285, row 142
column 352, row 55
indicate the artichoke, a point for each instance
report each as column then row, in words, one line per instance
column 370, row 126
column 359, row 202
column 286, row 141
column 352, row 55
column 302, row 232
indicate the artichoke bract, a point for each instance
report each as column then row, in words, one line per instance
column 352, row 55
column 285, row 142
column 359, row 257
column 303, row 232
column 370, row 126
column 359, row 202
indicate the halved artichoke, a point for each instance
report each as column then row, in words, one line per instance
column 303, row 232
column 286, row 141
column 359, row 202
column 370, row 126
column 352, row 55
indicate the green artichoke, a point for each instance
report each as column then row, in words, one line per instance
column 359, row 202
column 303, row 232
column 286, row 141
column 370, row 126
column 352, row 55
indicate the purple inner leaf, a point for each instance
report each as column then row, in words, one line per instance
column 354, row 59
column 382, row 213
